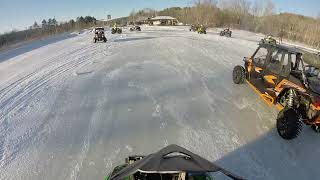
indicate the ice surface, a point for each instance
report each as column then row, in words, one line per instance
column 73, row 109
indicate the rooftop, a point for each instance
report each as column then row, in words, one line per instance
column 141, row 18
column 163, row 18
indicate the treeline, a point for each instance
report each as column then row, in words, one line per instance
column 46, row 28
column 256, row 16
column 252, row 15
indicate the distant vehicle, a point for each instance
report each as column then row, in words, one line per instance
column 202, row 30
column 288, row 78
column 135, row 28
column 193, row 28
column 99, row 35
column 115, row 30
column 226, row 32
column 269, row 39
column 170, row 163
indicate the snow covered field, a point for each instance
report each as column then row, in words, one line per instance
column 72, row 109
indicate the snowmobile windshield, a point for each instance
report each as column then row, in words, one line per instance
column 172, row 160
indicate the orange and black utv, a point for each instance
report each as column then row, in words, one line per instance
column 281, row 76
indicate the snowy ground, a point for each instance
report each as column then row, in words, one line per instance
column 72, row 109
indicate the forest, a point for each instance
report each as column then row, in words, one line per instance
column 256, row 16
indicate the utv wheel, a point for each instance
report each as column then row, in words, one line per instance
column 315, row 128
column 289, row 124
column 239, row 75
column 95, row 40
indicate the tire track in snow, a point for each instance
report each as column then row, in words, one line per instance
column 24, row 79
column 20, row 98
column 191, row 137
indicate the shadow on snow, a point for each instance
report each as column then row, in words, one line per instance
column 271, row 157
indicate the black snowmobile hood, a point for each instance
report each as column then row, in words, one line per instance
column 172, row 158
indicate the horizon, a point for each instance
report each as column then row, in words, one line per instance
column 40, row 11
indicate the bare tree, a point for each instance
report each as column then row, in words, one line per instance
column 240, row 8
column 263, row 8
column 132, row 16
column 269, row 8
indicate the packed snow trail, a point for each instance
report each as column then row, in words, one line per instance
column 74, row 109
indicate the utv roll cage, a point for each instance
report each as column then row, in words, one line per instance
column 293, row 67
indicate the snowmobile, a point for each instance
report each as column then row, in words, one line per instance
column 202, row 30
column 288, row 78
column 135, row 28
column 99, row 35
column 171, row 162
column 115, row 30
column 226, row 32
column 269, row 39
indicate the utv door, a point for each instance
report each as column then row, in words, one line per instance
column 258, row 71
column 277, row 68
column 259, row 59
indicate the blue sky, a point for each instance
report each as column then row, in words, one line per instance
column 22, row 13
column 305, row 7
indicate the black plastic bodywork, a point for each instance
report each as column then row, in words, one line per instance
column 135, row 28
column 226, row 32
column 99, row 35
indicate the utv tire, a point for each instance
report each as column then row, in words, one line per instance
column 95, row 41
column 315, row 128
column 289, row 124
column 239, row 75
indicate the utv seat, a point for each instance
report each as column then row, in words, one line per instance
column 296, row 74
column 314, row 83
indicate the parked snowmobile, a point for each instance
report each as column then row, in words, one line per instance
column 171, row 162
column 226, row 32
column 135, row 28
column 99, row 35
